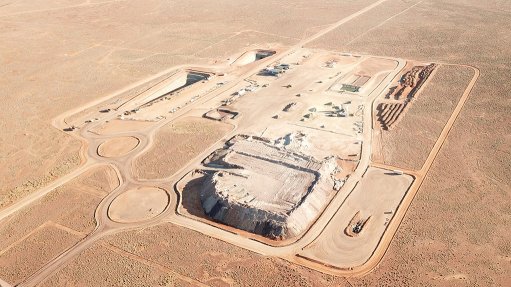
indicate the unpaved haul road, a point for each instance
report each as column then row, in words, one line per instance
column 288, row 252
column 400, row 213
column 107, row 227
column 336, row 25
column 60, row 123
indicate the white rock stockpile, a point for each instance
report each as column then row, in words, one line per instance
column 266, row 189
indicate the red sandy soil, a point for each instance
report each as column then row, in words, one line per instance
column 23, row 258
column 100, row 266
column 79, row 197
column 19, row 156
column 215, row 262
column 41, row 231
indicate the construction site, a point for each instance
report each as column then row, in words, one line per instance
column 272, row 151
column 276, row 152
column 280, row 158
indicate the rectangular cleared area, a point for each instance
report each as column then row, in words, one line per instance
column 354, row 232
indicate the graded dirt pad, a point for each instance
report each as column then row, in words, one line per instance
column 101, row 266
column 117, row 147
column 409, row 143
column 365, row 76
column 374, row 201
column 447, row 237
column 25, row 257
column 215, row 263
column 176, row 144
column 138, row 204
column 34, row 235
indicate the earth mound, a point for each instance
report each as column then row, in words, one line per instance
column 266, row 189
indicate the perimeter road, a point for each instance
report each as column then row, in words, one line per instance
column 57, row 263
column 57, row 122
column 401, row 211
column 398, row 218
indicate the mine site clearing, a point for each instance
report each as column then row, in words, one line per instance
column 273, row 153
column 316, row 128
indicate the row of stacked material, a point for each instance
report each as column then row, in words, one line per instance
column 419, row 79
column 411, row 77
column 411, row 82
column 389, row 114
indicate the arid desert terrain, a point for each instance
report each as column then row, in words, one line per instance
column 249, row 143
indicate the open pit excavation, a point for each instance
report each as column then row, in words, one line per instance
column 264, row 189
column 273, row 152
column 282, row 143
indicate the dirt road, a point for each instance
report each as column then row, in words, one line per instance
column 106, row 226
column 398, row 217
